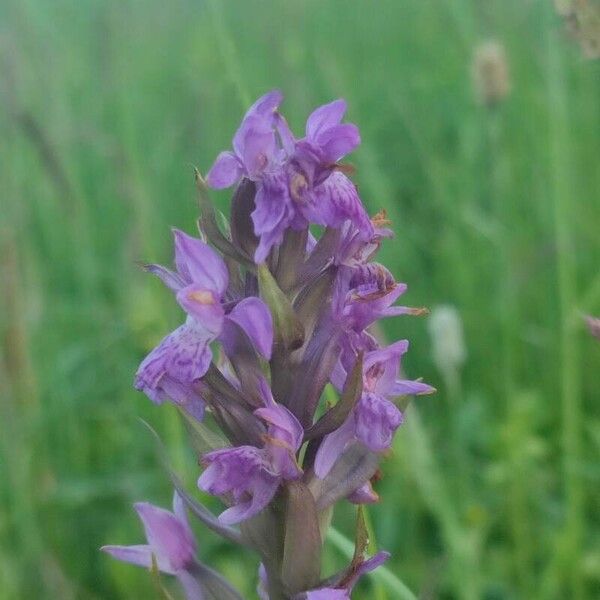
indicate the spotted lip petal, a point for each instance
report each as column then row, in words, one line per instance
column 375, row 421
column 251, row 475
column 244, row 473
column 169, row 371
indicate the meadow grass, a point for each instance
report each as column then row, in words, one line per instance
column 492, row 490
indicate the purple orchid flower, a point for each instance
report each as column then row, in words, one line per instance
column 321, row 294
column 372, row 292
column 252, row 475
column 182, row 357
column 257, row 157
column 255, row 149
column 296, row 182
column 170, row 541
column 322, row 194
column 375, row 418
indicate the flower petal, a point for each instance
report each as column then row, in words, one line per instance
column 336, row 201
column 204, row 307
column 375, row 421
column 381, row 366
column 168, row 537
column 172, row 280
column 226, row 170
column 243, row 473
column 404, row 387
column 273, row 213
column 263, row 491
column 198, row 263
column 254, row 317
column 170, row 369
column 332, row 447
column 258, row 147
column 140, row 555
column 338, row 141
column 324, row 118
column 365, row 494
column 254, row 141
column 180, row 510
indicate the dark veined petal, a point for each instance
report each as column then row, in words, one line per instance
column 243, row 473
column 375, row 421
column 273, row 213
column 381, row 366
column 336, row 201
column 254, row 142
column 263, row 492
column 182, row 357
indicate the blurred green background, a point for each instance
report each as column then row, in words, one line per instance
column 493, row 488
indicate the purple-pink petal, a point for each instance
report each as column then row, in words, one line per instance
column 169, row 370
column 338, row 141
column 365, row 494
column 140, row 555
column 404, row 387
column 273, row 213
column 204, row 306
column 381, row 366
column 244, row 473
column 375, row 421
column 168, row 537
column 325, row 117
column 369, row 565
column 254, row 317
column 226, row 170
column 171, row 279
column 198, row 263
column 332, row 447
column 262, row 492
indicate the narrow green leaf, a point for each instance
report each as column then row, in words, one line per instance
column 289, row 333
